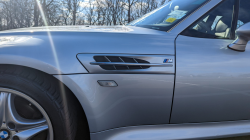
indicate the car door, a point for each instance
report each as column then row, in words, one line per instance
column 212, row 81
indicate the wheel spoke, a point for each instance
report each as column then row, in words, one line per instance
column 15, row 121
column 27, row 134
column 23, row 124
column 3, row 104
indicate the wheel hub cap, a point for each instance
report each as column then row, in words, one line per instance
column 4, row 134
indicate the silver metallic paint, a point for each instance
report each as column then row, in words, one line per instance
column 212, row 81
column 176, row 131
column 98, row 102
column 55, row 53
column 36, row 51
column 139, row 99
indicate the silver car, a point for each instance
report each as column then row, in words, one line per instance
column 179, row 72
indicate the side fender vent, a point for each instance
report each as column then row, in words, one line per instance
column 101, row 63
column 120, row 63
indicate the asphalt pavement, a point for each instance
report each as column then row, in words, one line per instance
column 235, row 138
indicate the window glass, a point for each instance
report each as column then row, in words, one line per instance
column 244, row 13
column 216, row 24
column 167, row 16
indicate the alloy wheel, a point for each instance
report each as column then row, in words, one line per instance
column 21, row 117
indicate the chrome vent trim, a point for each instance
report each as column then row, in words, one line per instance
column 130, row 64
column 104, row 63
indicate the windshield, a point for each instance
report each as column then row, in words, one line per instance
column 167, row 16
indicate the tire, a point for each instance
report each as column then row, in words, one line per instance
column 57, row 100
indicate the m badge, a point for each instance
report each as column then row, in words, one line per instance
column 168, row 61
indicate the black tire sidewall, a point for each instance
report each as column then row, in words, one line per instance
column 41, row 96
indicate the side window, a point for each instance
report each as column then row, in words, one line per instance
column 244, row 13
column 216, row 24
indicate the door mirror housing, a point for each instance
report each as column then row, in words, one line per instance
column 243, row 37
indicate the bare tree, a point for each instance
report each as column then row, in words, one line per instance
column 69, row 10
column 28, row 13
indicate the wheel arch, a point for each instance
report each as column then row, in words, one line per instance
column 84, row 120
column 28, row 62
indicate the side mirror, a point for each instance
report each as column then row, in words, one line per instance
column 243, row 37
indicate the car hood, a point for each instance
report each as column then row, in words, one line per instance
column 103, row 29
column 58, row 46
